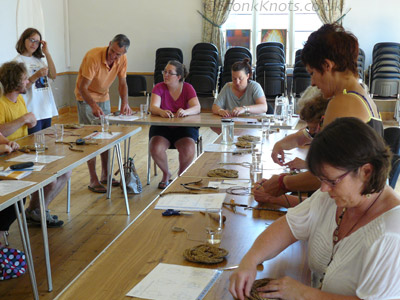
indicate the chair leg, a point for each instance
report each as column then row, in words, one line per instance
column 5, row 234
column 148, row 164
column 199, row 145
column 68, row 195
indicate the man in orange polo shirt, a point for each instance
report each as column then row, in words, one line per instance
column 98, row 70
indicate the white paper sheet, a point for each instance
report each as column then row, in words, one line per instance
column 123, row 118
column 226, row 184
column 10, row 186
column 101, row 136
column 191, row 202
column 39, row 158
column 174, row 282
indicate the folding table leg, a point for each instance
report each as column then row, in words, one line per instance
column 121, row 168
column 45, row 239
column 110, row 172
column 23, row 229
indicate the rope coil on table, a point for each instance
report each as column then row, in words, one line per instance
column 205, row 254
column 220, row 172
column 254, row 293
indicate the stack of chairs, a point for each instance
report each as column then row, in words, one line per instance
column 301, row 78
column 232, row 55
column 270, row 68
column 361, row 64
column 384, row 73
column 203, row 71
column 163, row 55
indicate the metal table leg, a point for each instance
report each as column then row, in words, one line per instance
column 45, row 239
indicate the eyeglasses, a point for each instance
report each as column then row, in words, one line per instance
column 168, row 73
column 333, row 182
column 33, row 41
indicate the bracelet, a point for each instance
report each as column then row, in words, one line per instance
column 282, row 184
column 246, row 109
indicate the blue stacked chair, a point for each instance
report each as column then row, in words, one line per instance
column 301, row 78
column 203, row 71
column 163, row 56
column 270, row 68
column 232, row 55
column 384, row 73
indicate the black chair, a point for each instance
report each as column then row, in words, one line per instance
column 395, row 171
column 391, row 136
column 137, row 87
column 204, row 46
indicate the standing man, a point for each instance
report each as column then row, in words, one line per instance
column 14, row 123
column 98, row 70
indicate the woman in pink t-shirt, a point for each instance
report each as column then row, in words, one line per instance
column 173, row 98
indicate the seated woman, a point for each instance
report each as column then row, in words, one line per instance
column 351, row 224
column 330, row 55
column 7, row 216
column 169, row 99
column 242, row 95
column 313, row 106
column 312, row 111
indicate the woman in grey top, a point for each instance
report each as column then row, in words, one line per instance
column 242, row 95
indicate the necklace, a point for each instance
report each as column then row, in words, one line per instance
column 335, row 237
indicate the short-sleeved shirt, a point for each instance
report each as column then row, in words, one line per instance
column 365, row 264
column 10, row 111
column 168, row 103
column 228, row 100
column 39, row 97
column 95, row 68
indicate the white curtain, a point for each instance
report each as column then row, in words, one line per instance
column 329, row 11
column 215, row 13
column 29, row 14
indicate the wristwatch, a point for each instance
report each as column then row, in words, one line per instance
column 246, row 109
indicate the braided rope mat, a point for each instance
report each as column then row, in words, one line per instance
column 29, row 148
column 257, row 284
column 72, row 126
column 220, row 172
column 243, row 144
column 205, row 254
column 249, row 138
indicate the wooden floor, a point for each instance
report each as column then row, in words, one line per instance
column 91, row 225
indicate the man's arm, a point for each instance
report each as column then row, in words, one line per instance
column 9, row 128
column 84, row 91
column 123, row 93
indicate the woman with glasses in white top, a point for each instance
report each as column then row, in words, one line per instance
column 39, row 97
column 173, row 98
column 351, row 224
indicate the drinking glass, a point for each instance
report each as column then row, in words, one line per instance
column 58, row 132
column 104, row 123
column 143, row 111
column 40, row 143
column 213, row 226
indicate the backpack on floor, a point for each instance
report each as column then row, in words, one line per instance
column 132, row 180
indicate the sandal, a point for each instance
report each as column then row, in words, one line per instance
column 162, row 184
column 114, row 182
column 98, row 189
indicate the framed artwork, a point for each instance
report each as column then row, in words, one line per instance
column 238, row 37
column 274, row 35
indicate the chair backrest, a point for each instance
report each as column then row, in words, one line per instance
column 392, row 139
column 137, row 85
column 238, row 50
column 163, row 51
column 395, row 171
column 204, row 46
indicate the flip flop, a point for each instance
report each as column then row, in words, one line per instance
column 114, row 182
column 98, row 189
column 162, row 184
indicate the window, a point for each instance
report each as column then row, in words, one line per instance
column 287, row 21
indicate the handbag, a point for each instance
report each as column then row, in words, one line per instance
column 12, row 263
column 132, row 180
